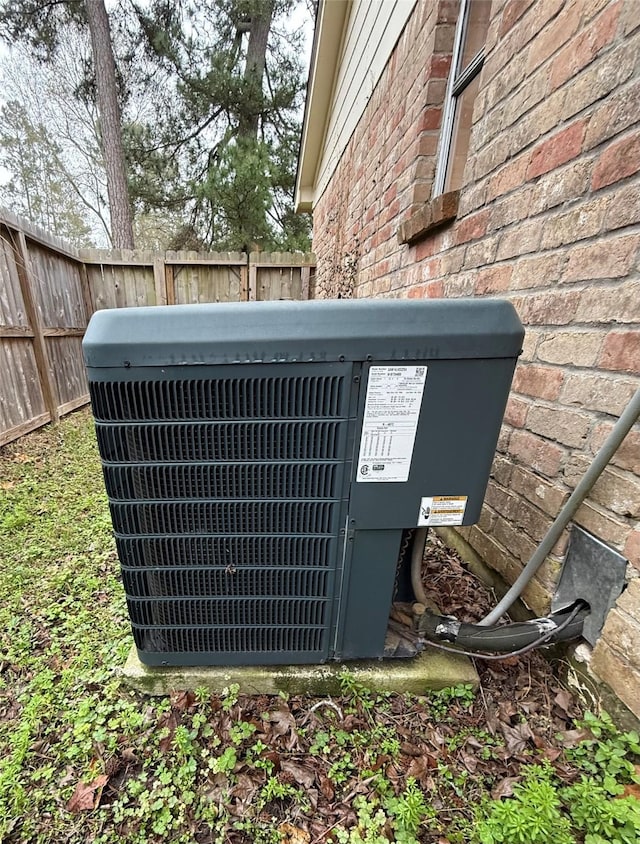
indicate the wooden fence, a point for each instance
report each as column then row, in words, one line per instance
column 48, row 291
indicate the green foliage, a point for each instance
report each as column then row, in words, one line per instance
column 442, row 700
column 606, row 756
column 601, row 819
column 541, row 811
column 408, row 812
column 532, row 816
column 402, row 815
column 274, row 789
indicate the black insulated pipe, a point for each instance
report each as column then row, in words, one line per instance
column 507, row 638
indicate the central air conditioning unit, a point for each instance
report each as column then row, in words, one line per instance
column 262, row 461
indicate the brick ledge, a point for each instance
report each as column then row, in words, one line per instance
column 429, row 216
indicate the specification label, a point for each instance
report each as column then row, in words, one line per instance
column 442, row 510
column 394, row 398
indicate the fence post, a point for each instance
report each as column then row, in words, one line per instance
column 170, row 284
column 160, row 280
column 244, row 281
column 305, row 278
column 86, row 291
column 253, row 279
column 23, row 266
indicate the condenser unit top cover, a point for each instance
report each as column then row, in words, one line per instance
column 285, row 332
column 262, row 459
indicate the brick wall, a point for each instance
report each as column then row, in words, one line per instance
column 549, row 217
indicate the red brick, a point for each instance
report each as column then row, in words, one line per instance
column 439, row 66
column 511, row 176
column 555, row 34
column 425, row 248
column 493, row 279
column 552, row 308
column 617, row 113
column 557, row 150
column 621, row 351
column 472, row 227
column 583, row 49
column 511, row 13
column 516, row 412
column 543, row 382
column 535, row 453
column 434, row 290
column 618, row 161
column 430, row 119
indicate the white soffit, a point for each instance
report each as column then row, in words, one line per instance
column 354, row 41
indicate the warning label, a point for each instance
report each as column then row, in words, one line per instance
column 442, row 510
column 392, row 408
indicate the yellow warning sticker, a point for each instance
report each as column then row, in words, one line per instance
column 441, row 510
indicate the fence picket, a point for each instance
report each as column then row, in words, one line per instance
column 49, row 290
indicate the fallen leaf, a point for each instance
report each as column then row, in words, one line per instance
column 632, row 789
column 182, row 700
column 87, row 795
column 301, row 774
column 504, row 788
column 571, row 738
column 564, row 700
column 293, row 834
column 506, row 710
column 282, row 721
column 325, row 786
column 410, row 749
column 516, row 738
column 470, row 762
column 552, row 753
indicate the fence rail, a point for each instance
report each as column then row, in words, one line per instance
column 48, row 291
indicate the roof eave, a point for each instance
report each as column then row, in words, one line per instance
column 329, row 32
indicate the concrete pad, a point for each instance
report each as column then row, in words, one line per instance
column 431, row 670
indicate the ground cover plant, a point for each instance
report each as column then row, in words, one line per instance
column 83, row 758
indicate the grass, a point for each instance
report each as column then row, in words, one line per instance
column 83, row 758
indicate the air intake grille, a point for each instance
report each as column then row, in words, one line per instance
column 305, row 397
column 211, row 480
column 226, row 498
